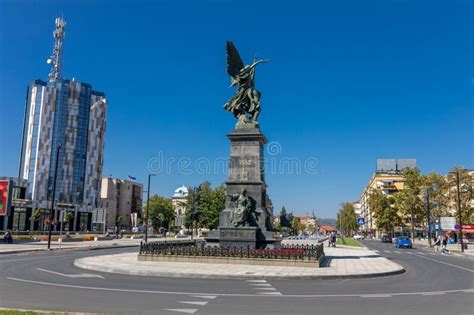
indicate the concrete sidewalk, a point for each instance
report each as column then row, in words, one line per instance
column 450, row 247
column 339, row 263
column 42, row 246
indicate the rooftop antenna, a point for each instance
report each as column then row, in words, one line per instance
column 55, row 59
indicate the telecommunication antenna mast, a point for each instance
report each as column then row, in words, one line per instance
column 55, row 59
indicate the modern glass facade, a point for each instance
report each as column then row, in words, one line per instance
column 69, row 114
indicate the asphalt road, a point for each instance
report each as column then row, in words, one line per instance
column 432, row 284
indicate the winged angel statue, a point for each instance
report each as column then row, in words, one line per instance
column 245, row 104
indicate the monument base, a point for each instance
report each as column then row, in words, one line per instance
column 238, row 237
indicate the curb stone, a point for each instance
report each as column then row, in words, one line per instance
column 78, row 263
column 66, row 249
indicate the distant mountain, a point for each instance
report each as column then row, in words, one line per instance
column 330, row 222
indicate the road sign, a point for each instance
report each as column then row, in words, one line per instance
column 437, row 227
column 360, row 221
column 448, row 223
column 457, row 227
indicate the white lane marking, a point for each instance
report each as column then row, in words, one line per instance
column 194, row 302
column 270, row 293
column 205, row 296
column 78, row 275
column 257, row 285
column 445, row 263
column 270, row 289
column 433, row 293
column 182, row 310
column 420, row 253
column 55, row 256
column 471, row 290
column 408, row 253
column 256, row 281
column 375, row 295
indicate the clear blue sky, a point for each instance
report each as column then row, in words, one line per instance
column 348, row 82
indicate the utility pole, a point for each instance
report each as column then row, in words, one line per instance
column 192, row 210
column 147, row 207
column 428, row 214
column 459, row 210
column 53, row 196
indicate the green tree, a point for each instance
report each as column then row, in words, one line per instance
column 193, row 216
column 161, row 211
column 35, row 216
column 408, row 201
column 289, row 219
column 210, row 202
column 296, row 225
column 466, row 180
column 347, row 219
column 284, row 220
column 384, row 213
column 119, row 221
column 437, row 186
column 68, row 217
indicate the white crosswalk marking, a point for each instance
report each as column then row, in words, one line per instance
column 205, row 296
column 398, row 252
column 263, row 287
column 182, row 310
column 387, row 251
column 194, row 302
column 269, row 289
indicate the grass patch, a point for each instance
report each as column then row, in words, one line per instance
column 348, row 241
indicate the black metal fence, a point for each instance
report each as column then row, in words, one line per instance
column 294, row 252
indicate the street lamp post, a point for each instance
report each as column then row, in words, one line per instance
column 147, row 207
column 459, row 207
column 428, row 215
column 53, row 196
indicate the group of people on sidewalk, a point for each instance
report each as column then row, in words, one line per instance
column 8, row 237
column 441, row 242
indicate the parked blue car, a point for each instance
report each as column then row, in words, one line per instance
column 403, row 241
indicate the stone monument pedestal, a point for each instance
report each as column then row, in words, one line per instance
column 246, row 171
column 238, row 237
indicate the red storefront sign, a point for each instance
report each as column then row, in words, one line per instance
column 4, row 197
column 468, row 228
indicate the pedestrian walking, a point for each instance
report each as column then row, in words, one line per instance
column 437, row 243
column 444, row 243
column 7, row 237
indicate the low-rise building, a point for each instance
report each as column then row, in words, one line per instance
column 388, row 179
column 326, row 229
column 179, row 201
column 123, row 202
column 15, row 209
